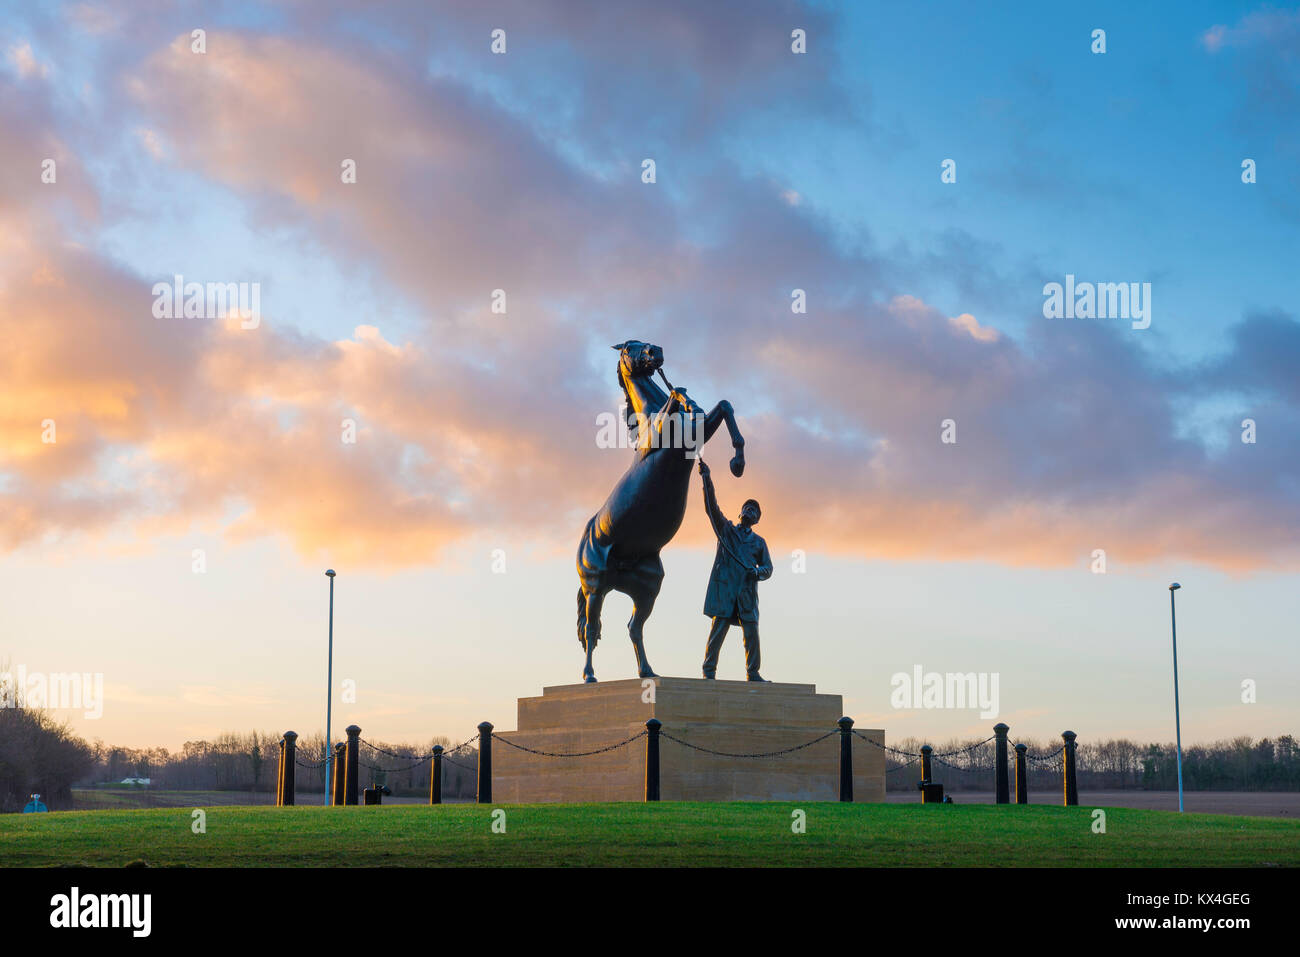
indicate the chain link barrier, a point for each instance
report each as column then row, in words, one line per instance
column 569, row 754
column 417, row 761
column 913, row 754
column 1044, row 758
column 754, row 754
column 462, row 746
column 885, row 747
column 958, row 767
column 1045, row 762
column 374, row 767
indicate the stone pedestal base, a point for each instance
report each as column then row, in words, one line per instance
column 733, row 716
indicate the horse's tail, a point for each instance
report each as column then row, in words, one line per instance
column 582, row 564
column 582, row 618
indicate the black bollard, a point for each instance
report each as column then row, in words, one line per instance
column 1022, row 782
column 1071, row 782
column 652, row 759
column 846, row 759
column 279, row 777
column 930, row 792
column 1000, row 764
column 485, row 763
column 435, row 776
column 353, row 766
column 287, row 760
column 340, row 774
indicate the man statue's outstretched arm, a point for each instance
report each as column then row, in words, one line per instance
column 716, row 518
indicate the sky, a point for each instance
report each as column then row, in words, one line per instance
column 453, row 517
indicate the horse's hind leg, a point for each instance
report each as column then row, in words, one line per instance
column 591, row 635
column 634, row 626
column 643, row 600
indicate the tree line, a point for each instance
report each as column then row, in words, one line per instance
column 39, row 755
column 1233, row 764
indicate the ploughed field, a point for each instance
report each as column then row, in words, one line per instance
column 666, row 834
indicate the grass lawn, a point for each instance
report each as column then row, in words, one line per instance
column 668, row 834
column 123, row 797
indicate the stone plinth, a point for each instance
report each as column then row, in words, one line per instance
column 735, row 716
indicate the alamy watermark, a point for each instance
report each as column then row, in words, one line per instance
column 677, row 430
column 1102, row 300
column 953, row 690
column 179, row 299
column 61, row 691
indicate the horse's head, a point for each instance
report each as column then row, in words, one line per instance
column 638, row 358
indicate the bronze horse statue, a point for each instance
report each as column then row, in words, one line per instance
column 620, row 548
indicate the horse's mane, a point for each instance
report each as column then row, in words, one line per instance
column 629, row 413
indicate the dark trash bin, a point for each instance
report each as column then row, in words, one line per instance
column 374, row 795
column 931, row 793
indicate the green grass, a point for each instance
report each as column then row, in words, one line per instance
column 123, row 797
column 669, row 834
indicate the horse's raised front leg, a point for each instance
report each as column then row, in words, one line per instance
column 720, row 413
column 591, row 636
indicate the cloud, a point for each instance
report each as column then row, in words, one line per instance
column 1069, row 436
column 1276, row 28
column 1213, row 39
column 22, row 58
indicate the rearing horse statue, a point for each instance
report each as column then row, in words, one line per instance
column 620, row 548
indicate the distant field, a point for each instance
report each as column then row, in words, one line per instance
column 667, row 834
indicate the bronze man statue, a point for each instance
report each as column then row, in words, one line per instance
column 741, row 563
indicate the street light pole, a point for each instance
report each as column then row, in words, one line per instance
column 1178, row 731
column 329, row 695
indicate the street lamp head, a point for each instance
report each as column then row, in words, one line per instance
column 1175, row 586
column 329, row 572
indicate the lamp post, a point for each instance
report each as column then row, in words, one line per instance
column 329, row 693
column 1178, row 731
